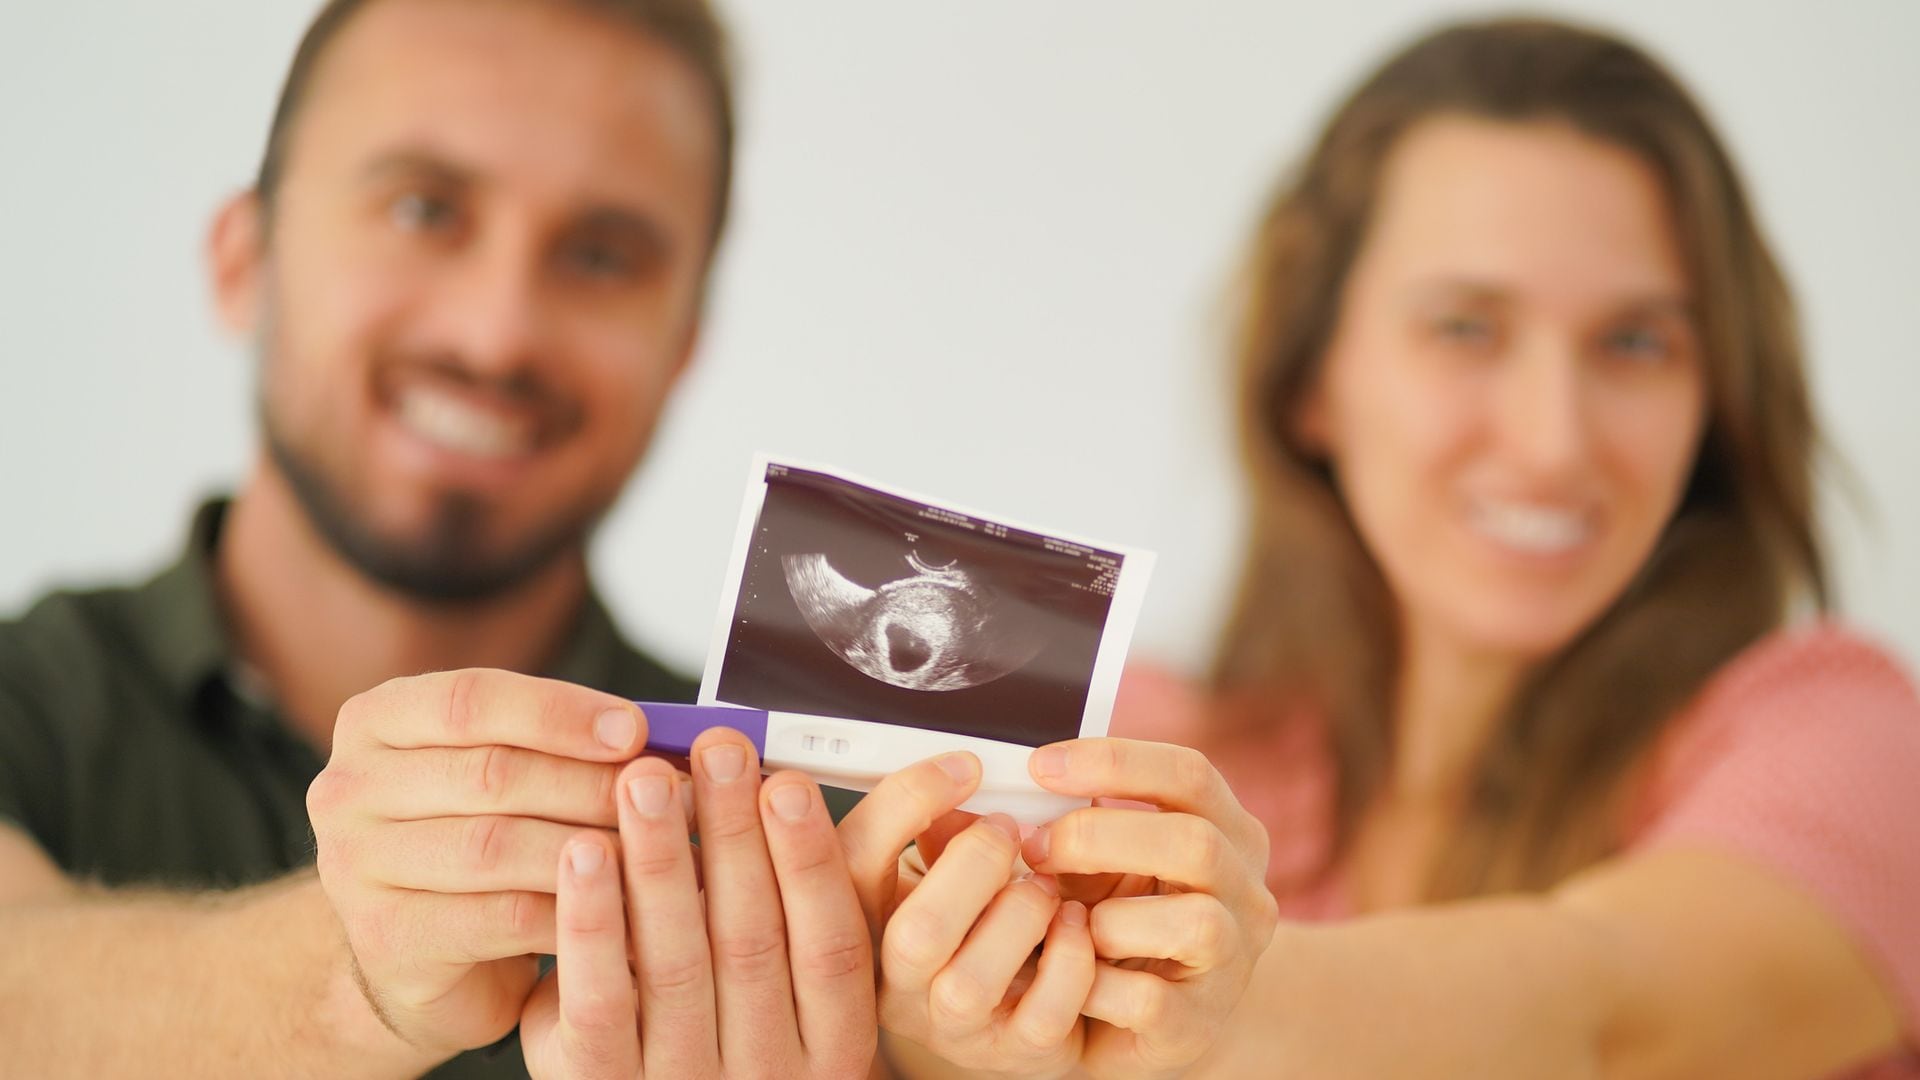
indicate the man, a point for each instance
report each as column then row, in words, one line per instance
column 473, row 266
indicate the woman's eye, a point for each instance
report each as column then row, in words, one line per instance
column 1636, row 343
column 1464, row 329
column 423, row 212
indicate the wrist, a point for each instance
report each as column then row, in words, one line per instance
column 340, row 1012
column 900, row 1058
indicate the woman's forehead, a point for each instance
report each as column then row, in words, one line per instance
column 1521, row 207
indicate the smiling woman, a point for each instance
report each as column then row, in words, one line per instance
column 1530, row 450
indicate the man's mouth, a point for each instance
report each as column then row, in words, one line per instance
column 449, row 421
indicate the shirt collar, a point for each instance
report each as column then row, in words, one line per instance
column 176, row 615
column 178, row 623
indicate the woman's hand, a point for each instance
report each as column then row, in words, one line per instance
column 771, row 976
column 1179, row 908
column 956, row 940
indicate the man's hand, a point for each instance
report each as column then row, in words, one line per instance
column 439, row 822
column 958, row 974
column 771, row 977
column 1180, row 911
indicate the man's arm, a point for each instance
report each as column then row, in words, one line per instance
column 109, row 983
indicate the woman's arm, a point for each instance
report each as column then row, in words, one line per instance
column 1679, row 963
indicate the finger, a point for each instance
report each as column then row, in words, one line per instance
column 752, row 990
column 1049, row 1010
column 489, row 853
column 1179, row 848
column 1194, row 929
column 933, row 920
column 939, row 834
column 540, row 1029
column 1147, row 1005
column 1136, row 1000
column 494, row 779
column 830, row 952
column 965, row 994
column 460, row 930
column 478, row 707
column 1169, row 776
column 668, row 923
column 599, row 1030
column 899, row 808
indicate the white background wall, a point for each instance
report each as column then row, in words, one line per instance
column 980, row 249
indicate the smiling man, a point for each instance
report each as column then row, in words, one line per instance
column 472, row 266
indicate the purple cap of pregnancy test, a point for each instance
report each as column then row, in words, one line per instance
column 672, row 728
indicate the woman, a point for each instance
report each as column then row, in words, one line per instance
column 1508, row 677
column 1551, row 791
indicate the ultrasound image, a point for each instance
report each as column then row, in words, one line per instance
column 858, row 603
column 932, row 630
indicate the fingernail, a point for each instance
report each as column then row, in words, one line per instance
column 1006, row 825
column 649, row 795
column 1073, row 913
column 586, row 859
column 790, row 801
column 1037, row 845
column 615, row 728
column 1047, row 882
column 723, row 762
column 962, row 767
column 1050, row 761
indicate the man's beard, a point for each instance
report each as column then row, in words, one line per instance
column 448, row 563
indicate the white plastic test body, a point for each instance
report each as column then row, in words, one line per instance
column 858, row 754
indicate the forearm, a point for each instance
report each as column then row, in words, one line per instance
column 250, row 983
column 904, row 1059
column 1495, row 988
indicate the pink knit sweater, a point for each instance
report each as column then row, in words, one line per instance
column 1803, row 754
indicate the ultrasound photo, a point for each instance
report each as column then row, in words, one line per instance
column 859, row 602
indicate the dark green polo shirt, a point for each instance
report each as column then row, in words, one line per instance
column 132, row 750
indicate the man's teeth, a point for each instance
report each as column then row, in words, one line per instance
column 1531, row 528
column 462, row 428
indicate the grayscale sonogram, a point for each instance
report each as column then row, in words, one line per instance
column 935, row 629
column 859, row 603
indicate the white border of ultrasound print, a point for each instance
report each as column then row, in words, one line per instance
column 1123, row 612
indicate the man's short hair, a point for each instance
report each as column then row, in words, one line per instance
column 688, row 27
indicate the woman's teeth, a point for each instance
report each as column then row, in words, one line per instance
column 455, row 425
column 1533, row 529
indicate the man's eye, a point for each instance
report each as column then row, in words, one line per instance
column 599, row 260
column 420, row 211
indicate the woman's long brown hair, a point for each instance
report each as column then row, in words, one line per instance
column 1313, row 617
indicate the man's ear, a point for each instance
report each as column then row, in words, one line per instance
column 689, row 345
column 236, row 261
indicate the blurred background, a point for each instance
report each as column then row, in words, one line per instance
column 980, row 250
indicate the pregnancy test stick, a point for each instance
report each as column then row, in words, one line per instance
column 857, row 754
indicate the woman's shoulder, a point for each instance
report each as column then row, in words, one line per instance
column 1800, row 754
column 1819, row 665
column 1822, row 690
column 1159, row 703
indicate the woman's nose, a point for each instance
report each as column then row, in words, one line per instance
column 1541, row 413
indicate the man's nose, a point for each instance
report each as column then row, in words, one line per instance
column 493, row 315
column 1542, row 411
